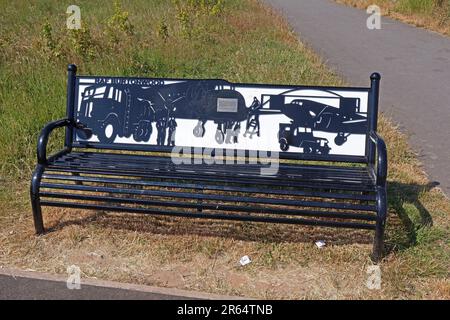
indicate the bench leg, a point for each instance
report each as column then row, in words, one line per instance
column 35, row 201
column 378, row 244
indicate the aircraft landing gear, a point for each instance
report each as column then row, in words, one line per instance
column 220, row 136
column 340, row 139
column 199, row 130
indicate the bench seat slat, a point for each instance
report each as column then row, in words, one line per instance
column 299, row 173
column 201, row 196
column 164, row 159
column 186, row 173
column 219, row 216
column 223, row 179
column 208, row 206
column 127, row 160
column 366, row 197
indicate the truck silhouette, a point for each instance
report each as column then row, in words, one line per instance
column 121, row 110
column 114, row 110
column 290, row 135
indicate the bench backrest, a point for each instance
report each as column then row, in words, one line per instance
column 299, row 122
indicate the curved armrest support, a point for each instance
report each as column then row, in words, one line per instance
column 43, row 138
column 381, row 168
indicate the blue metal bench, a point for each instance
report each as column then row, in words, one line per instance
column 218, row 150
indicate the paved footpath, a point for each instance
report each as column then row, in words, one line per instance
column 29, row 285
column 414, row 64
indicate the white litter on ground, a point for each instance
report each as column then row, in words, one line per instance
column 95, row 254
column 245, row 260
column 320, row 244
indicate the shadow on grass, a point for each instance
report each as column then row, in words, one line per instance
column 245, row 231
column 407, row 214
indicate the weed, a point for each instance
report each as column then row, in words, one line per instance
column 217, row 8
column 163, row 30
column 207, row 7
column 46, row 34
column 139, row 66
column 50, row 45
column 82, row 42
column 185, row 21
column 119, row 24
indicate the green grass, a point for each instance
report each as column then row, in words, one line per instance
column 236, row 40
column 34, row 59
column 417, row 6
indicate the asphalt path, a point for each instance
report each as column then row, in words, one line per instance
column 21, row 288
column 30, row 285
column 414, row 64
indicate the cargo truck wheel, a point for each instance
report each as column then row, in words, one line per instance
column 108, row 130
column 143, row 131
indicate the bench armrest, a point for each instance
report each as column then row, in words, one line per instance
column 381, row 162
column 43, row 138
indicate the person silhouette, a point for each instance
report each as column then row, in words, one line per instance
column 253, row 118
column 172, row 128
column 228, row 131
column 236, row 131
column 161, row 128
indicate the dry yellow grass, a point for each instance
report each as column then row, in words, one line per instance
column 203, row 255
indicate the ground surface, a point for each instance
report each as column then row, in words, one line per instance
column 28, row 285
column 20, row 288
column 414, row 63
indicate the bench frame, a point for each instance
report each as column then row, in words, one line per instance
column 376, row 159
